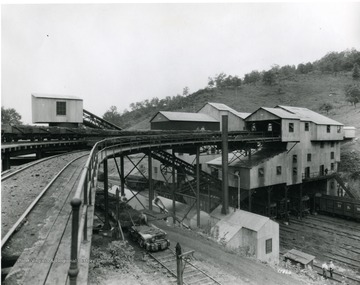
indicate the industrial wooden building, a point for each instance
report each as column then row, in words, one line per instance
column 183, row 121
column 236, row 120
column 57, row 110
column 247, row 233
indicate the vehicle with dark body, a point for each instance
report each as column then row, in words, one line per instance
column 340, row 206
column 149, row 237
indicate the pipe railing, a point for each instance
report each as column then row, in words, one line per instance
column 107, row 148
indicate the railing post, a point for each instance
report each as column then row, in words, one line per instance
column 74, row 270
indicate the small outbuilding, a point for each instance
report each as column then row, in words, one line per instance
column 57, row 110
column 349, row 132
column 296, row 256
column 183, row 121
column 248, row 233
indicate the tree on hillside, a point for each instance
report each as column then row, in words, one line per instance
column 356, row 72
column 269, row 77
column 112, row 116
column 352, row 94
column 252, row 77
column 186, row 91
column 326, row 107
column 10, row 116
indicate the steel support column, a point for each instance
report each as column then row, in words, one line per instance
column 301, row 203
column 198, row 185
column 250, row 199
column 151, row 189
column 106, row 195
column 5, row 161
column 225, row 168
column 269, row 201
column 286, row 204
column 173, row 185
column 122, row 176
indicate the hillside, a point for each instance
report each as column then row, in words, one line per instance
column 310, row 90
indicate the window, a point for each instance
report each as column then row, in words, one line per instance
column 295, row 171
column 307, row 172
column 328, row 128
column 339, row 129
column 309, row 157
column 155, row 169
column 332, row 144
column 269, row 127
column 306, row 127
column 181, row 154
column 278, row 170
column 268, row 245
column 332, row 185
column 294, row 158
column 261, row 172
column 322, row 145
column 253, row 127
column 61, row 108
column 332, row 166
column 291, row 127
column 332, row 155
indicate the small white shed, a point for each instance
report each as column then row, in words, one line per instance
column 256, row 235
column 349, row 132
column 56, row 109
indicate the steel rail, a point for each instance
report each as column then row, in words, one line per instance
column 30, row 164
column 114, row 146
column 34, row 202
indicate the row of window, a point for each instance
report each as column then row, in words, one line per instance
column 307, row 128
column 323, row 171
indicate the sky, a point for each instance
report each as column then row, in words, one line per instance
column 120, row 53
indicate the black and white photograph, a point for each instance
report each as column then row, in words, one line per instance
column 180, row 142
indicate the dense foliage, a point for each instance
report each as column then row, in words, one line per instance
column 333, row 63
column 10, row 116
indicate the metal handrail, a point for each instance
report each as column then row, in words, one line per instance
column 83, row 198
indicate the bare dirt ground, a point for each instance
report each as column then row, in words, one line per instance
column 115, row 262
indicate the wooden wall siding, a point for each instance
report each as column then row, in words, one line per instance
column 286, row 135
column 269, row 230
column 261, row 115
column 323, row 135
column 181, row 125
column 234, row 122
column 160, row 118
column 44, row 110
column 270, row 174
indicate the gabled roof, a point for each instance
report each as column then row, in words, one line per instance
column 230, row 224
column 185, row 116
column 307, row 115
column 223, row 107
column 55, row 96
column 283, row 114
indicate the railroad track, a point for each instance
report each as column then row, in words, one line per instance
column 336, row 222
column 337, row 277
column 10, row 172
column 18, row 219
column 192, row 275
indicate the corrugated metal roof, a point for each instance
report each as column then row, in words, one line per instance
column 307, row 115
column 185, row 116
column 55, row 96
column 230, row 224
column 223, row 107
column 283, row 114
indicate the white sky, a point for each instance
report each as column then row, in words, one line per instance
column 116, row 54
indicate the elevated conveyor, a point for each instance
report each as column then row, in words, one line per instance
column 93, row 121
